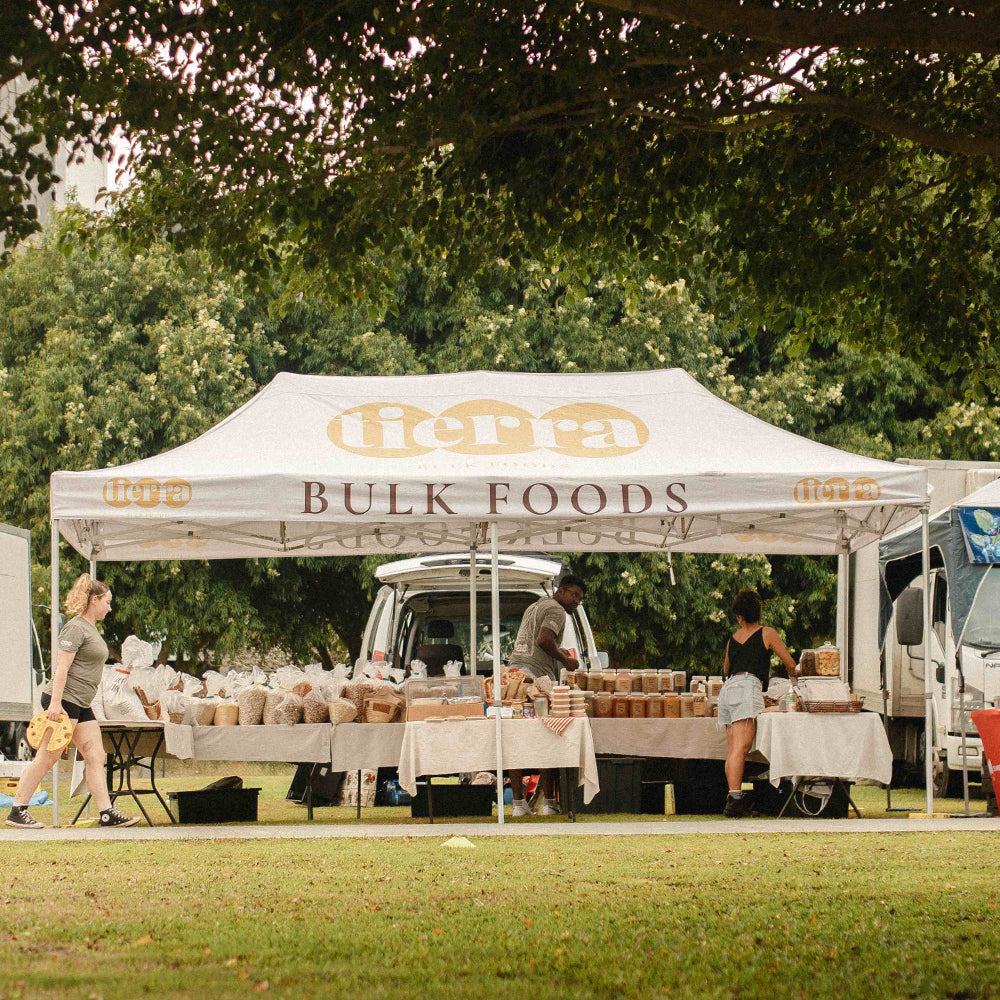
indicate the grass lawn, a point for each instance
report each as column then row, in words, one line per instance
column 891, row 915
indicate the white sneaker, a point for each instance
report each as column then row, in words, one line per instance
column 546, row 807
column 521, row 808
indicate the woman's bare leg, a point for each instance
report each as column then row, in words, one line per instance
column 739, row 739
column 87, row 738
column 32, row 775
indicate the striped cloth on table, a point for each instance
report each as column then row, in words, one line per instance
column 558, row 724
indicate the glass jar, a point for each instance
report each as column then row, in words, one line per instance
column 619, row 705
column 637, row 706
column 603, row 708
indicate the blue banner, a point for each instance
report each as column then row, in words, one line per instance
column 981, row 528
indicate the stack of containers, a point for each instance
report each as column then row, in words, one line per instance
column 577, row 703
column 559, row 703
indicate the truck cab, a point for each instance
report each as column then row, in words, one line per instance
column 421, row 612
column 978, row 656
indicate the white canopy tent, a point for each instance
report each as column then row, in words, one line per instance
column 350, row 465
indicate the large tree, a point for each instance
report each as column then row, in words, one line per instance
column 837, row 162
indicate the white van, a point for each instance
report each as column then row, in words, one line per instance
column 422, row 611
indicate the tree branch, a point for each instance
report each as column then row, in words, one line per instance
column 977, row 32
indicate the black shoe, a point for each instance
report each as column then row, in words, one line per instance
column 112, row 817
column 736, row 808
column 21, row 818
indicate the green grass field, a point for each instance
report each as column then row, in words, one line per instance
column 849, row 915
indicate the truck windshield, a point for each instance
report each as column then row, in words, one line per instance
column 983, row 626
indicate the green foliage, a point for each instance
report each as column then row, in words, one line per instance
column 107, row 357
column 851, row 184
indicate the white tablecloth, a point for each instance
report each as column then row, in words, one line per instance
column 452, row 747
column 845, row 745
column 295, row 744
column 698, row 738
column 355, row 746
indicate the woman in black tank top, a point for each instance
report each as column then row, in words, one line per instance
column 747, row 669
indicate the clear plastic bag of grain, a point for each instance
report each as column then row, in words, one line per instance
column 315, row 708
column 356, row 692
column 271, row 702
column 251, row 701
column 204, row 711
column 302, row 688
column 342, row 710
column 289, row 710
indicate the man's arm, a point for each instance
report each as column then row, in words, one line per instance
column 547, row 641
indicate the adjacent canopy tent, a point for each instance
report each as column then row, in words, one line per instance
column 632, row 461
column 629, row 461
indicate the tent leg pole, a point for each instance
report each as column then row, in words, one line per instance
column 497, row 693
column 928, row 696
column 473, row 623
column 54, row 640
column 843, row 613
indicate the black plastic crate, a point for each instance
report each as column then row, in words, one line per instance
column 455, row 800
column 225, row 805
column 620, row 779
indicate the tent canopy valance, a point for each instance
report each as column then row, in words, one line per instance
column 348, row 465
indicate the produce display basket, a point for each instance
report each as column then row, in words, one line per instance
column 854, row 705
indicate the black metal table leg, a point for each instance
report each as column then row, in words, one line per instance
column 430, row 799
column 359, row 794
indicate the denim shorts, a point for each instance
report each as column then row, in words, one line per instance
column 741, row 698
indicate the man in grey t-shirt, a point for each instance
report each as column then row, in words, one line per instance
column 538, row 652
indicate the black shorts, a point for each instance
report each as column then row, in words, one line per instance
column 75, row 712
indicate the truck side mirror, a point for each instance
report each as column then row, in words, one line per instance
column 603, row 659
column 910, row 617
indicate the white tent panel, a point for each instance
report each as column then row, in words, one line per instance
column 637, row 461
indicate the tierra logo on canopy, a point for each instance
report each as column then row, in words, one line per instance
column 487, row 427
column 121, row 492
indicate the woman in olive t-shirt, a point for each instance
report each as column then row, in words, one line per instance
column 75, row 680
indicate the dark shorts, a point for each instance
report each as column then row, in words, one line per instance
column 75, row 712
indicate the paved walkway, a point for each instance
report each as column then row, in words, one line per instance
column 316, row 831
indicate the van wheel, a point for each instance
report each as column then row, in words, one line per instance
column 22, row 748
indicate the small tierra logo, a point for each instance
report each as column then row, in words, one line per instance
column 121, row 492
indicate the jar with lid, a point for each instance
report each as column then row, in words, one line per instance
column 700, row 705
column 650, row 682
column 608, row 680
column 671, row 705
column 594, row 680
column 603, row 708
column 637, row 681
column 619, row 705
column 699, row 682
column 623, row 681
column 680, row 680
column 687, row 705
column 637, row 705
column 654, row 706
column 666, row 679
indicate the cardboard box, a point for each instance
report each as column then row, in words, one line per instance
column 417, row 713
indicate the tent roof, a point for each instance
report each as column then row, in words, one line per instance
column 985, row 497
column 626, row 461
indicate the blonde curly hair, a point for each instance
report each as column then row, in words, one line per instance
column 83, row 589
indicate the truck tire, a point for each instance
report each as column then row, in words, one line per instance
column 947, row 783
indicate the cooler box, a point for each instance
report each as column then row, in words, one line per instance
column 620, row 779
column 223, row 805
column 455, row 800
